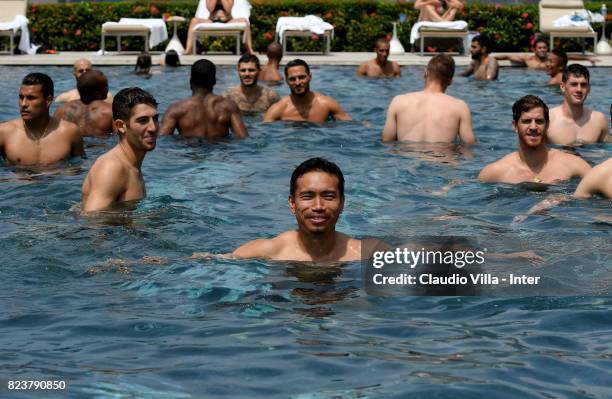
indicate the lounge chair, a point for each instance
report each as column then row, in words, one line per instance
column 240, row 9
column 552, row 10
column 304, row 26
column 153, row 31
column 445, row 29
column 9, row 23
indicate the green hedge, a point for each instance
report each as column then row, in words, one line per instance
column 358, row 23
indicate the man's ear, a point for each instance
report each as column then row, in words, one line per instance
column 49, row 100
column 120, row 126
column 514, row 126
column 291, row 203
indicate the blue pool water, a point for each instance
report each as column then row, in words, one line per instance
column 256, row 329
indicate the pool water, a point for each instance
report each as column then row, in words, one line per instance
column 75, row 309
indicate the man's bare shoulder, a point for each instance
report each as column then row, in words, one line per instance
column 265, row 248
column 494, row 171
column 108, row 163
column 555, row 111
column 8, row 127
column 68, row 128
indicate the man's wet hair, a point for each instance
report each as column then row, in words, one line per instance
column 143, row 63
column 526, row 104
column 380, row 40
column 484, row 41
column 37, row 78
column 294, row 63
column 562, row 56
column 576, row 70
column 441, row 68
column 249, row 58
column 540, row 40
column 317, row 165
column 203, row 74
column 172, row 58
column 92, row 85
column 275, row 51
column 126, row 99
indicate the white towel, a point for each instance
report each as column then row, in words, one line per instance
column 571, row 20
column 20, row 22
column 240, row 9
column 450, row 25
column 310, row 23
column 156, row 26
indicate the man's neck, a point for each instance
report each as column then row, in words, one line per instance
column 433, row 86
column 37, row 128
column 317, row 246
column 200, row 92
column 132, row 156
column 249, row 90
column 534, row 158
column 273, row 64
column 380, row 63
column 574, row 112
column 302, row 100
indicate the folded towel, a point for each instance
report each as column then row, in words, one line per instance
column 20, row 22
column 240, row 9
column 156, row 26
column 572, row 20
column 221, row 25
column 310, row 23
column 450, row 25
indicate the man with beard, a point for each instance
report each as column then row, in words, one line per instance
column 430, row 115
column 36, row 138
column 557, row 61
column 538, row 59
column 91, row 113
column 204, row 114
column 303, row 104
column 251, row 97
column 572, row 122
column 269, row 73
column 380, row 66
column 316, row 199
column 533, row 162
column 483, row 66
column 80, row 66
column 116, row 176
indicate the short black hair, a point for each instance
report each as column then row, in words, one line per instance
column 540, row 40
column 37, row 78
column 249, row 58
column 562, row 55
column 526, row 104
column 127, row 99
column 484, row 41
column 317, row 164
column 203, row 74
column 143, row 62
column 294, row 63
column 576, row 70
column 172, row 58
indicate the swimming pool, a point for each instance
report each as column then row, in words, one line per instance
column 224, row 328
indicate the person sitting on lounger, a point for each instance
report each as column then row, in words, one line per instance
column 220, row 11
column 434, row 10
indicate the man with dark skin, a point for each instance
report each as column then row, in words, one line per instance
column 270, row 72
column 204, row 114
column 483, row 66
column 533, row 162
column 36, row 138
column 557, row 61
column 303, row 104
column 116, row 176
column 80, row 66
column 251, row 97
column 91, row 113
column 380, row 66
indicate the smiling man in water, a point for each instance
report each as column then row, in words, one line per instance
column 116, row 176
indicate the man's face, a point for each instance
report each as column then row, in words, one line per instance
column 298, row 80
column 80, row 68
column 531, row 127
column 541, row 50
column 32, row 102
column 382, row 52
column 475, row 50
column 248, row 71
column 142, row 128
column 553, row 65
column 575, row 90
column 317, row 203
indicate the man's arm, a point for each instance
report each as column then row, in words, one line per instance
column 580, row 166
column 604, row 137
column 469, row 70
column 261, row 248
column 519, row 59
column 77, row 149
column 390, row 129
column 492, row 69
column 336, row 111
column 275, row 112
column 170, row 121
column 236, row 123
column 106, row 184
column 397, row 71
column 418, row 4
column 490, row 173
column 588, row 185
column 466, row 134
column 363, row 69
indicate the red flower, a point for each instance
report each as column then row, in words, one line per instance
column 431, row 49
column 529, row 26
column 269, row 36
column 33, row 30
column 315, row 38
column 388, row 37
column 154, row 10
column 34, row 8
column 373, row 14
column 77, row 32
column 329, row 15
column 93, row 45
column 284, row 13
column 497, row 6
column 65, row 32
column 109, row 8
column 497, row 37
column 532, row 40
column 525, row 15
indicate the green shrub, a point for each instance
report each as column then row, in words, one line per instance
column 358, row 23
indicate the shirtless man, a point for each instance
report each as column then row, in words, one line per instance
column 270, row 73
column 303, row 104
column 204, row 114
column 251, row 97
column 115, row 176
column 557, row 61
column 483, row 66
column 538, row 59
column 572, row 122
column 316, row 199
column 430, row 116
column 380, row 66
column 220, row 11
column 597, row 182
column 91, row 113
column 35, row 138
column 433, row 10
column 533, row 162
column 80, row 67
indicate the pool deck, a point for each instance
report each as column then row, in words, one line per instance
column 68, row 58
